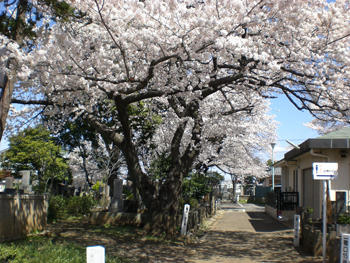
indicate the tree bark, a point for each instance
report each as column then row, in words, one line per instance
column 7, row 83
column 6, row 86
column 234, row 184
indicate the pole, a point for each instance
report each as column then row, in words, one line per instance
column 324, row 236
column 273, row 168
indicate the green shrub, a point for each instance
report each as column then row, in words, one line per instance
column 193, row 203
column 343, row 219
column 56, row 208
column 80, row 205
column 60, row 207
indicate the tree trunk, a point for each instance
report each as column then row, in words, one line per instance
column 162, row 206
column 6, row 87
column 7, row 83
column 163, row 216
column 234, row 184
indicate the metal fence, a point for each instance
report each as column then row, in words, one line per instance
column 287, row 200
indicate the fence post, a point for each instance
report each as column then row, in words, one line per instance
column 185, row 219
column 296, row 230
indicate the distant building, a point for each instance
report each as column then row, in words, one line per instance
column 268, row 180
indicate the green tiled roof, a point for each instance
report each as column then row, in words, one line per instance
column 339, row 134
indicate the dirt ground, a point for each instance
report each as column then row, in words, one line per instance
column 233, row 235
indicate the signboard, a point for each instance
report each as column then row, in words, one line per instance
column 95, row 254
column 185, row 219
column 324, row 171
column 2, row 186
column 345, row 248
column 296, row 240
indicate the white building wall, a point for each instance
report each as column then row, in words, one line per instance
column 304, row 162
column 342, row 182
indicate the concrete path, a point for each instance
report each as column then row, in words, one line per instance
column 247, row 234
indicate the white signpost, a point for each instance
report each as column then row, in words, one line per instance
column 95, row 254
column 296, row 240
column 345, row 248
column 324, row 171
column 185, row 219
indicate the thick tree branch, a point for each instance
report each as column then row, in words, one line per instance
column 32, row 102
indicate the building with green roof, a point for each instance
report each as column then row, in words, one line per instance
column 297, row 174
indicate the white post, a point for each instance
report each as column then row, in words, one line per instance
column 345, row 248
column 185, row 219
column 324, row 236
column 296, row 230
column 95, row 254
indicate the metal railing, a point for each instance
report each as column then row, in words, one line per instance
column 287, row 200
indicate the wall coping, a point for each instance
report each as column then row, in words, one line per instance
column 24, row 196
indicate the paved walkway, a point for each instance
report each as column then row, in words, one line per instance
column 247, row 234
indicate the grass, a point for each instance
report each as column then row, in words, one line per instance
column 38, row 249
column 243, row 201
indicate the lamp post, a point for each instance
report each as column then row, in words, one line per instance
column 273, row 167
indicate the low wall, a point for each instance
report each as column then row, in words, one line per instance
column 311, row 243
column 115, row 218
column 195, row 218
column 287, row 215
column 21, row 214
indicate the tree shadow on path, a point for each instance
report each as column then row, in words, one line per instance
column 264, row 223
column 257, row 247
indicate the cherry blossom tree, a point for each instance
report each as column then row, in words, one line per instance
column 21, row 22
column 205, row 67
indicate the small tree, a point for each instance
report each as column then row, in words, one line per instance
column 198, row 185
column 35, row 149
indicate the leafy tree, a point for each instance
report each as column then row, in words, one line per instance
column 34, row 149
column 197, row 185
column 96, row 152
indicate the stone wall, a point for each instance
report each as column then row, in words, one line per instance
column 21, row 214
column 311, row 243
column 115, row 218
column 195, row 218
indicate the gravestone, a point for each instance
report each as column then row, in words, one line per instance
column 105, row 198
column 340, row 202
column 9, row 182
column 116, row 204
column 27, row 188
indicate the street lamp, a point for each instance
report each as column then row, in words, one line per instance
column 273, row 167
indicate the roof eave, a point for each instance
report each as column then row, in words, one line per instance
column 309, row 144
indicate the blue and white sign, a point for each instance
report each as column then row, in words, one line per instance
column 324, row 171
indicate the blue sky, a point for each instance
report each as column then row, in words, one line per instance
column 290, row 125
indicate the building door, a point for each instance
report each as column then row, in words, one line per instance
column 340, row 198
column 311, row 193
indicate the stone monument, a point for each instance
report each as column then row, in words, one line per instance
column 116, row 204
